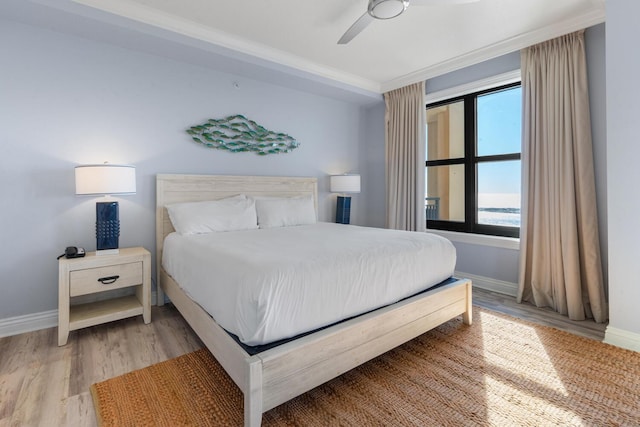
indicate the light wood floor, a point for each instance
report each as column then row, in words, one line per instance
column 544, row 316
column 42, row 384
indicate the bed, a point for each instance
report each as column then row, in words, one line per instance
column 271, row 377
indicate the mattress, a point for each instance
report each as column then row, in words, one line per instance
column 270, row 284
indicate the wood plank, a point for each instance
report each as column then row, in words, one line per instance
column 53, row 411
column 91, row 260
column 288, row 384
column 120, row 349
column 467, row 316
column 143, row 293
column 161, row 232
column 45, row 386
column 173, row 338
column 253, row 395
column 91, row 361
column 63, row 302
column 318, row 346
column 10, row 385
column 80, row 411
column 95, row 313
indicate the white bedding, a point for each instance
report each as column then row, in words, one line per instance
column 269, row 284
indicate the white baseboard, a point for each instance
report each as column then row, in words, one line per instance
column 622, row 338
column 489, row 284
column 36, row 321
column 28, row 323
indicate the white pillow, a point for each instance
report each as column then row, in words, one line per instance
column 285, row 211
column 230, row 214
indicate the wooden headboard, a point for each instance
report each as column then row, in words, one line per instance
column 194, row 188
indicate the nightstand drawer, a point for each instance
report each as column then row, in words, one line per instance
column 91, row 280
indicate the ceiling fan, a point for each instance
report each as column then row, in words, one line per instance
column 387, row 9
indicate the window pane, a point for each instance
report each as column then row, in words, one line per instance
column 445, row 193
column 499, row 122
column 499, row 193
column 445, row 131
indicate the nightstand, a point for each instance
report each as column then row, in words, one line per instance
column 97, row 273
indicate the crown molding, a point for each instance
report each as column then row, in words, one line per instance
column 260, row 54
column 522, row 41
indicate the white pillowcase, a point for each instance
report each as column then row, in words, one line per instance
column 229, row 214
column 285, row 211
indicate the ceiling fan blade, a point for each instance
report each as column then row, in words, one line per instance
column 356, row 28
column 439, row 2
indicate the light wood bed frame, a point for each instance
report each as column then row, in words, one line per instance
column 275, row 376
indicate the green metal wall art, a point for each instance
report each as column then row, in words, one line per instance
column 237, row 134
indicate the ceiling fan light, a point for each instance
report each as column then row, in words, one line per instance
column 387, row 9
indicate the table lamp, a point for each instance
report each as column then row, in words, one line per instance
column 347, row 183
column 106, row 179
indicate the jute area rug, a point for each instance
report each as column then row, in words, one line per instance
column 498, row 372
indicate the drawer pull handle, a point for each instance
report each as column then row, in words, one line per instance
column 108, row 280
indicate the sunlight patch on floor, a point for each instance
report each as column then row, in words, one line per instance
column 530, row 383
column 505, row 401
column 537, row 367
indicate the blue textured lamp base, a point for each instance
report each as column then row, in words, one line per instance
column 107, row 228
column 343, row 210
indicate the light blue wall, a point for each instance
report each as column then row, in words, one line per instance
column 67, row 100
column 623, row 173
column 596, row 66
column 372, row 158
column 482, row 70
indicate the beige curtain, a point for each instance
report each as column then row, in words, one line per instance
column 405, row 120
column 560, row 263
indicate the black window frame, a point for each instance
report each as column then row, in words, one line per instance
column 470, row 162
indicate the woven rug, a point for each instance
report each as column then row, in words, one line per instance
column 499, row 372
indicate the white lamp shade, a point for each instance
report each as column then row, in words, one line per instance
column 105, row 179
column 345, row 183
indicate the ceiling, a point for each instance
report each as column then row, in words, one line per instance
column 302, row 35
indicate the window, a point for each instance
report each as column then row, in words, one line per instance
column 472, row 174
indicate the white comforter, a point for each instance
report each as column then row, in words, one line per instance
column 270, row 284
